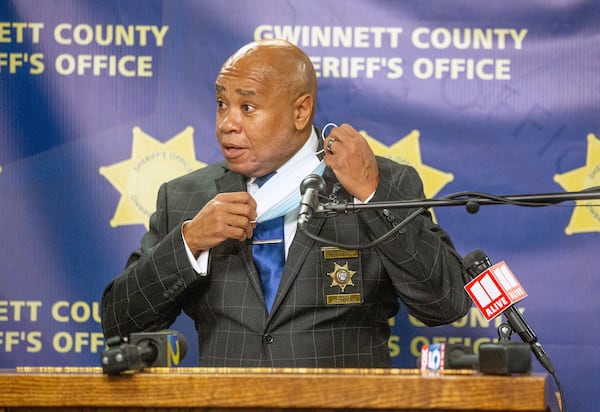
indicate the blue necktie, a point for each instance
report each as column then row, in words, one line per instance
column 268, row 251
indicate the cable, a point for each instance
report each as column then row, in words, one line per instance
column 372, row 243
column 560, row 392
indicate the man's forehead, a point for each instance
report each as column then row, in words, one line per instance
column 240, row 86
column 239, row 90
column 248, row 81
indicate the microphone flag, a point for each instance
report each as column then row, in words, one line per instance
column 433, row 357
column 495, row 289
column 175, row 353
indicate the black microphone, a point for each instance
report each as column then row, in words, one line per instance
column 164, row 348
column 460, row 357
column 445, row 355
column 309, row 188
column 476, row 262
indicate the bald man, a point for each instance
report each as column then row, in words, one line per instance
column 323, row 306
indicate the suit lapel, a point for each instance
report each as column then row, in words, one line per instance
column 233, row 182
column 301, row 246
column 230, row 182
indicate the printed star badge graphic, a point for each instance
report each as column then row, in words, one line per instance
column 407, row 151
column 152, row 163
column 585, row 217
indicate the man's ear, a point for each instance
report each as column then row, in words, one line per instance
column 304, row 108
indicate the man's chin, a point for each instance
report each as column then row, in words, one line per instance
column 242, row 169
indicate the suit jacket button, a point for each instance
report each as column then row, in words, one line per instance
column 268, row 339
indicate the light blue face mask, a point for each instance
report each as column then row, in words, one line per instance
column 281, row 195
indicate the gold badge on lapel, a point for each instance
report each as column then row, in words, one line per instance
column 342, row 268
column 342, row 276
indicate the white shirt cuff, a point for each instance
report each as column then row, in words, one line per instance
column 200, row 265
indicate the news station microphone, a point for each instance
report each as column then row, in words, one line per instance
column 493, row 358
column 165, row 348
column 495, row 290
column 442, row 355
column 310, row 188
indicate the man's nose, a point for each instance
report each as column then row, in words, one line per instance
column 230, row 121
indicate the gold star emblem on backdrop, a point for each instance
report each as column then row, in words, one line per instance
column 586, row 216
column 152, row 163
column 407, row 151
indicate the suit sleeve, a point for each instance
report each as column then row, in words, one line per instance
column 420, row 259
column 148, row 294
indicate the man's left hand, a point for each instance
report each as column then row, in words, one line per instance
column 348, row 154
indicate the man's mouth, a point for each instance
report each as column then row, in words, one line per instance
column 232, row 151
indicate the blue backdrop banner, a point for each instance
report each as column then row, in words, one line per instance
column 100, row 102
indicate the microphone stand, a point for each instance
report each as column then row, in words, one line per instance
column 472, row 201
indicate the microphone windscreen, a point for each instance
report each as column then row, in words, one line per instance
column 476, row 262
column 473, row 257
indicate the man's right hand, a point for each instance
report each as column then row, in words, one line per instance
column 226, row 216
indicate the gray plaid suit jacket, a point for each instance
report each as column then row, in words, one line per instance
column 418, row 266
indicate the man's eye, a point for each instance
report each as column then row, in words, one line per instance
column 247, row 108
column 220, row 104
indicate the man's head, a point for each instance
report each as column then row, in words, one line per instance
column 266, row 100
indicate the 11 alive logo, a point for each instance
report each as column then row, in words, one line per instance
column 495, row 290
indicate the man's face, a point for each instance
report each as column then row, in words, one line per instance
column 255, row 119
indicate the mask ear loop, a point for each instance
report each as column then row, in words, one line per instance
column 323, row 134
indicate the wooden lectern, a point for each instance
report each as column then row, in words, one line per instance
column 226, row 389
